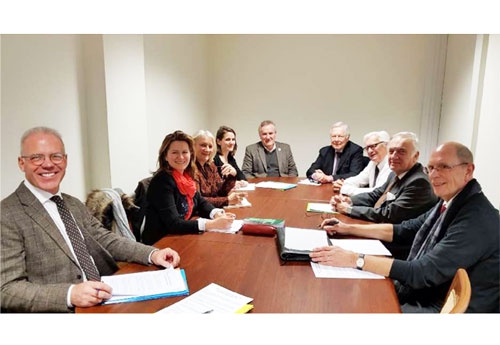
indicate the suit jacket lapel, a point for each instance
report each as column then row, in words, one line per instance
column 35, row 210
column 262, row 156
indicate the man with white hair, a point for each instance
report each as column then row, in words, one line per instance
column 406, row 194
column 375, row 173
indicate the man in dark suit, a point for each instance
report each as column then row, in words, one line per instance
column 340, row 160
column 53, row 251
column 268, row 157
column 406, row 194
column 460, row 231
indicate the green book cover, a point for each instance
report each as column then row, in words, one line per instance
column 265, row 221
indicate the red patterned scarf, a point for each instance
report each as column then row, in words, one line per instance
column 187, row 187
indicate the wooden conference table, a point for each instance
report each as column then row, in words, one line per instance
column 250, row 265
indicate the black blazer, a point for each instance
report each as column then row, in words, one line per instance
column 413, row 196
column 164, row 209
column 351, row 161
column 230, row 159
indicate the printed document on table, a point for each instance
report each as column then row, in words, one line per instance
column 320, row 207
column 308, row 182
column 275, row 185
column 323, row 271
column 365, row 246
column 304, row 239
column 235, row 227
column 243, row 203
column 248, row 187
column 211, row 299
column 146, row 285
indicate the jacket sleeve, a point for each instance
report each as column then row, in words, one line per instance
column 247, row 167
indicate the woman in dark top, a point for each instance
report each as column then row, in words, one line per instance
column 211, row 186
column 226, row 149
column 172, row 197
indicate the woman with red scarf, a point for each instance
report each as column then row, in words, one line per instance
column 172, row 197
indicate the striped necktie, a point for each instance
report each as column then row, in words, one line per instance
column 79, row 247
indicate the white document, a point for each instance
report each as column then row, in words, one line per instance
column 320, row 207
column 369, row 247
column 250, row 186
column 235, row 227
column 243, row 203
column 323, row 271
column 309, row 182
column 145, row 283
column 275, row 185
column 211, row 299
column 305, row 239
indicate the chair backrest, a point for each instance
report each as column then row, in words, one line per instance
column 458, row 296
column 138, row 219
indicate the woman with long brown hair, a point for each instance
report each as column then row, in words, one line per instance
column 172, row 196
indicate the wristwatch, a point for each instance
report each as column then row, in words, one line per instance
column 360, row 262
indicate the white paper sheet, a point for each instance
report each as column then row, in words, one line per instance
column 211, row 299
column 320, row 207
column 235, row 227
column 365, row 246
column 304, row 239
column 248, row 187
column 323, row 271
column 145, row 283
column 308, row 182
column 275, row 185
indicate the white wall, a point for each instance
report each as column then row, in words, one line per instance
column 305, row 83
column 471, row 106
column 147, row 86
column 42, row 84
column 176, row 87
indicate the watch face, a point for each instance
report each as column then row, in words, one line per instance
column 360, row 262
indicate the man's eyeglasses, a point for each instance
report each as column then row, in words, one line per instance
column 38, row 159
column 443, row 167
column 373, row 146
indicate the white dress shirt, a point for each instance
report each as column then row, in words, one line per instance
column 365, row 181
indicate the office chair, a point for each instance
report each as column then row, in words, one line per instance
column 458, row 296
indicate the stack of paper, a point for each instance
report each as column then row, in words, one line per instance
column 211, row 299
column 147, row 285
column 248, row 187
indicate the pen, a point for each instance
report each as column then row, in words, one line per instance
column 208, row 311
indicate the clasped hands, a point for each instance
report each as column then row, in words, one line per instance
column 320, row 176
column 234, row 197
column 340, row 203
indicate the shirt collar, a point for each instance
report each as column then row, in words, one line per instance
column 41, row 195
column 265, row 148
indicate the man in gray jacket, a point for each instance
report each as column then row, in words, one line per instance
column 53, row 251
column 268, row 157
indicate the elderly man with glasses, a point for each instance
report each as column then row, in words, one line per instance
column 375, row 173
column 340, row 160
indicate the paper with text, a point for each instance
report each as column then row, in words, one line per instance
column 304, row 239
column 211, row 299
column 145, row 283
column 275, row 185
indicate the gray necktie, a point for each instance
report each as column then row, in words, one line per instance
column 79, row 247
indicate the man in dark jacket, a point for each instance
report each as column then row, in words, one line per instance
column 340, row 160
